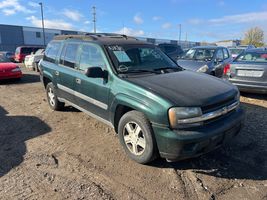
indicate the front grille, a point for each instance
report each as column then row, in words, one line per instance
column 218, row 105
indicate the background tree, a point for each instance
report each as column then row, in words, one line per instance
column 254, row 36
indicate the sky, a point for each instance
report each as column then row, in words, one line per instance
column 201, row 20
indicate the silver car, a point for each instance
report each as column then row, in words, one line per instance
column 249, row 71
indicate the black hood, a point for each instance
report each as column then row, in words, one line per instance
column 187, row 88
column 192, row 65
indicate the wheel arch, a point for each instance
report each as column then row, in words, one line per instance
column 123, row 104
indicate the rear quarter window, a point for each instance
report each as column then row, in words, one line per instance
column 52, row 51
column 69, row 53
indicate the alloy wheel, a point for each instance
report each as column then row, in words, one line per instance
column 134, row 138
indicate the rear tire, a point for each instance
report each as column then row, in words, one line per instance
column 137, row 137
column 52, row 99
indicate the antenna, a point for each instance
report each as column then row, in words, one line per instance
column 94, row 18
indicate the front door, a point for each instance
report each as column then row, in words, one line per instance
column 92, row 94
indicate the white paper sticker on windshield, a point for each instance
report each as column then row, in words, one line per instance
column 122, row 56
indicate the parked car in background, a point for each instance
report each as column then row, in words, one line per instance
column 23, row 51
column 155, row 106
column 249, row 71
column 9, row 55
column 9, row 70
column 172, row 50
column 206, row 59
column 31, row 61
column 250, row 46
column 236, row 51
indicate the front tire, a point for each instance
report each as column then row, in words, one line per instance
column 136, row 137
column 52, row 99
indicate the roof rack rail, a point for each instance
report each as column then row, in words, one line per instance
column 83, row 37
column 111, row 35
column 94, row 36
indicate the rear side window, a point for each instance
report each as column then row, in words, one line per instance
column 226, row 53
column 219, row 54
column 253, row 57
column 68, row 56
column 91, row 56
column 51, row 51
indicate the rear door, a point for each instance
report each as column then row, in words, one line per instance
column 67, row 71
column 92, row 93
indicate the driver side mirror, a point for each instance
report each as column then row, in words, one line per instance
column 95, row 72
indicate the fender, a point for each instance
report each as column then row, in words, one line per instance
column 47, row 74
column 149, row 108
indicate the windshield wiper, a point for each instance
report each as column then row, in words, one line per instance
column 140, row 71
column 164, row 68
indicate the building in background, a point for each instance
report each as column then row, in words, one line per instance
column 229, row 43
column 13, row 36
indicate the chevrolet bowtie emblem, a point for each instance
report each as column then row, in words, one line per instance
column 224, row 110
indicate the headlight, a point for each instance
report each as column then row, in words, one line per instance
column 17, row 69
column 178, row 114
column 203, row 69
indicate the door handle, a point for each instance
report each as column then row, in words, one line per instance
column 56, row 73
column 78, row 81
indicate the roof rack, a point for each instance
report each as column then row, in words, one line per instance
column 111, row 35
column 94, row 36
column 83, row 37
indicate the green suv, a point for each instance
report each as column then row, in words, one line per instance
column 156, row 107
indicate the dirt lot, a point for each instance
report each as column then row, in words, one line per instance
column 68, row 155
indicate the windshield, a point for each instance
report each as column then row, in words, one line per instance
column 199, row 54
column 253, row 57
column 3, row 59
column 236, row 51
column 139, row 58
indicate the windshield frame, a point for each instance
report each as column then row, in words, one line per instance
column 116, row 63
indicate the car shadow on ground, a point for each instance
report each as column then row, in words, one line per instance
column 245, row 157
column 70, row 109
column 14, row 132
column 26, row 78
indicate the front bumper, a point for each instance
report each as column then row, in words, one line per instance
column 183, row 144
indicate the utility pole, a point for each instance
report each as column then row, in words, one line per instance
column 180, row 33
column 94, row 18
column 186, row 40
column 42, row 13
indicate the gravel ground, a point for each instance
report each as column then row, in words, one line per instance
column 69, row 155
